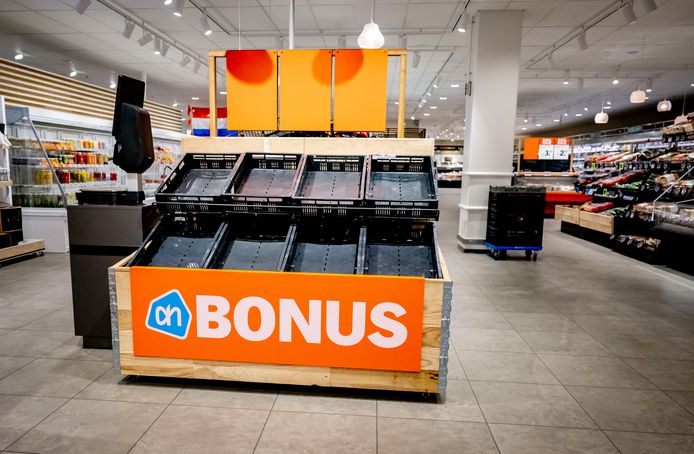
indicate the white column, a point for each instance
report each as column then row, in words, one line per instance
column 490, row 118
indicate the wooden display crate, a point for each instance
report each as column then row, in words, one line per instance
column 596, row 221
column 567, row 214
column 430, row 379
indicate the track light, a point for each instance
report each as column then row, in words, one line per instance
column 579, row 83
column 206, row 29
column 112, row 83
column 455, row 85
column 649, row 86
column 195, row 98
column 157, row 46
column 164, row 48
column 146, row 38
column 649, row 5
column 412, row 117
column 403, row 41
column 185, row 60
column 73, row 71
column 174, row 104
column 464, row 23
column 550, row 61
column 196, row 66
column 436, row 83
column 82, row 6
column 582, row 42
column 128, row 29
column 342, row 42
column 178, row 7
column 566, row 77
column 628, row 12
column 664, row 106
column 416, row 57
column 615, row 81
column 279, row 42
column 18, row 56
column 167, row 3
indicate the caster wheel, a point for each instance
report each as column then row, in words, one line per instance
column 528, row 254
column 534, row 256
column 496, row 255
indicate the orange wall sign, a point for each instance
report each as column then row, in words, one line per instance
column 361, row 79
column 546, row 148
column 363, row 322
column 305, row 90
column 252, row 89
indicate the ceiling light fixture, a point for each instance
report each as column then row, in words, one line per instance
column 112, row 83
column 73, row 73
column 403, row 41
column 550, row 60
column 437, row 81
column 412, row 117
column 586, row 109
column 582, row 42
column 157, row 46
column 524, row 128
column 628, row 12
column 649, row 5
column 682, row 119
column 341, row 42
column 601, row 117
column 185, row 60
column 609, row 103
column 664, row 106
column 615, row 81
column 164, row 48
column 433, row 107
column 579, row 114
column 458, row 85
column 538, row 124
column 637, row 96
column 128, row 29
column 566, row 77
column 557, row 120
column 607, row 107
column 416, row 57
column 82, row 6
column 222, row 92
column 579, row 83
column 649, row 86
column 195, row 98
column 371, row 36
column 174, row 104
column 146, row 38
column 426, row 114
column 443, row 98
column 178, row 7
column 205, row 24
column 428, row 94
column 18, row 56
column 196, row 66
column 566, row 114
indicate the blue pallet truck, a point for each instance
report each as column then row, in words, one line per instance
column 498, row 252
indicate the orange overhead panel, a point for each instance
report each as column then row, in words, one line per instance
column 531, row 147
column 252, row 89
column 305, row 86
column 361, row 79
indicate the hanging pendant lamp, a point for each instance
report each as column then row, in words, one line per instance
column 601, row 117
column 371, row 36
column 664, row 106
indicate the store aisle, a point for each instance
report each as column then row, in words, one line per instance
column 582, row 351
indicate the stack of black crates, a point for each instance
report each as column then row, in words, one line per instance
column 515, row 220
column 298, row 213
column 10, row 226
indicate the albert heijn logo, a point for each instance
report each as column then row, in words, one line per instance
column 168, row 314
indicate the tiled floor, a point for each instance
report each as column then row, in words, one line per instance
column 584, row 351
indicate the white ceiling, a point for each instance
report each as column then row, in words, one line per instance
column 659, row 45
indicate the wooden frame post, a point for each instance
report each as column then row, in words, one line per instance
column 213, row 55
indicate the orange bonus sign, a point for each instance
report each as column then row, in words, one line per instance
column 364, row 322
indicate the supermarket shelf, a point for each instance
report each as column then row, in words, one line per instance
column 28, row 247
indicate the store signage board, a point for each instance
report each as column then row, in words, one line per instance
column 307, row 319
column 545, row 149
column 562, row 148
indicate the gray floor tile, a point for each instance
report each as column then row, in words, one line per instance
column 666, row 374
column 503, row 366
column 53, row 377
column 643, row 346
column 550, row 440
column 628, row 325
column 18, row 414
column 455, row 368
column 227, row 398
column 316, row 433
column 684, row 398
column 203, row 430
column 112, row 387
column 540, row 322
column 498, row 340
column 531, row 304
column 325, row 404
column 529, row 404
column 641, row 443
column 479, row 319
column 594, row 371
column 89, row 426
column 460, row 405
column 633, row 410
column 404, row 436
column 72, row 349
column 568, row 343
column 30, row 343
column 9, row 364
column 16, row 318
column 57, row 322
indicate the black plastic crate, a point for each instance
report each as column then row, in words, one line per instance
column 325, row 248
column 184, row 240
column 264, row 182
column 401, row 249
column 515, row 216
column 254, row 243
column 402, row 186
column 330, row 184
column 198, row 182
column 10, row 218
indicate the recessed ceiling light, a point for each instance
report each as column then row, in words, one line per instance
column 19, row 56
column 73, row 73
column 178, row 7
column 579, row 114
column 691, row 85
column 607, row 107
column 424, row 101
column 538, row 124
column 412, row 117
column 195, row 98
column 222, row 92
column 615, row 81
column 566, row 114
column 433, row 107
column 455, row 85
column 174, row 104
column 397, row 103
column 609, row 103
column 419, row 105
column 443, row 98
column 426, row 114
column 586, row 109
column 566, row 82
column 556, row 120
column 648, row 90
column 112, row 85
column 167, row 3
column 428, row 93
column 524, row 128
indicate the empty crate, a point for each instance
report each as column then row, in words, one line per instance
column 320, row 248
column 264, row 181
column 329, row 183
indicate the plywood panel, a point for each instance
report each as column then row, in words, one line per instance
column 252, row 90
column 361, row 78
column 305, row 90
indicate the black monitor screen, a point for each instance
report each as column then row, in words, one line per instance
column 130, row 91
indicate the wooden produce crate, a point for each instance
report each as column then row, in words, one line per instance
column 430, row 379
column 596, row 221
column 567, row 214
